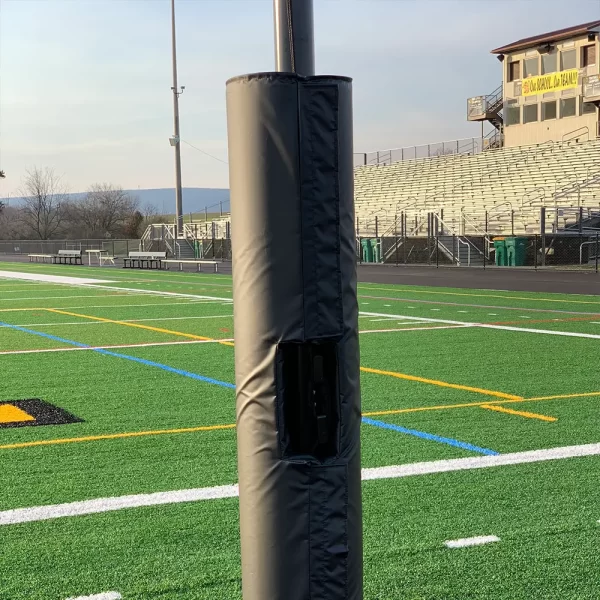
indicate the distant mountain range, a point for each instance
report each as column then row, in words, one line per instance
column 195, row 200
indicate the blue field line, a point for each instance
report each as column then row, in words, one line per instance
column 431, row 437
column 142, row 361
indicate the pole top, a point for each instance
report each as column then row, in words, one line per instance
column 294, row 36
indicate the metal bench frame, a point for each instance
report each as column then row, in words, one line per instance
column 192, row 262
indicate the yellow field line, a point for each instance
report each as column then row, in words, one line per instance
column 139, row 326
column 114, row 436
column 380, row 413
column 565, row 396
column 480, row 295
column 455, row 386
column 399, row 411
column 519, row 413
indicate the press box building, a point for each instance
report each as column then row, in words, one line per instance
column 550, row 88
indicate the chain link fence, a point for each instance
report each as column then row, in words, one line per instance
column 112, row 247
column 568, row 251
column 215, row 248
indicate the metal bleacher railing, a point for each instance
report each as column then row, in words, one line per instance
column 473, row 145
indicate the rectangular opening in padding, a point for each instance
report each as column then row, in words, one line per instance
column 308, row 404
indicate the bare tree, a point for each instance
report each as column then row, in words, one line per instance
column 44, row 200
column 11, row 225
column 105, row 210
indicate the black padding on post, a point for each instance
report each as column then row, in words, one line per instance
column 296, row 336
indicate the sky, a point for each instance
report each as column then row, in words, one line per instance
column 85, row 85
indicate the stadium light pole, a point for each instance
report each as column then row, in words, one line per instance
column 175, row 140
column 296, row 323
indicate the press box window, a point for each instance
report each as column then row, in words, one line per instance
column 548, row 63
column 531, row 67
column 588, row 57
column 587, row 108
column 512, row 115
column 568, row 60
column 568, row 107
column 514, row 71
column 530, row 113
column 548, row 110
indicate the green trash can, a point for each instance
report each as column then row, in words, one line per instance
column 376, row 247
column 500, row 252
column 367, row 250
column 516, row 248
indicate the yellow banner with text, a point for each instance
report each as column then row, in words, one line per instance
column 565, row 80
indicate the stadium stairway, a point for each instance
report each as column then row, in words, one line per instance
column 460, row 252
column 185, row 251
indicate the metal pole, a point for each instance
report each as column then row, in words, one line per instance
column 596, row 252
column 294, row 37
column 543, row 234
column 396, row 237
column 404, row 237
column 176, row 93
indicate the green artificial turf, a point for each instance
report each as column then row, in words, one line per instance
column 544, row 513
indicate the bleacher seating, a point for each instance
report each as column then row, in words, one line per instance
column 518, row 180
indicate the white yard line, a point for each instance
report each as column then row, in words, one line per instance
column 101, row 505
column 481, row 462
column 102, row 596
column 95, row 284
column 38, row 287
column 144, row 345
column 473, row 541
column 44, row 298
column 50, row 278
column 592, row 336
column 111, row 306
column 157, row 293
column 415, row 329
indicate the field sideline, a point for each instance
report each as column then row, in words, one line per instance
column 480, row 439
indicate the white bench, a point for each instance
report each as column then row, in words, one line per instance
column 151, row 260
column 37, row 257
column 213, row 263
column 67, row 257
